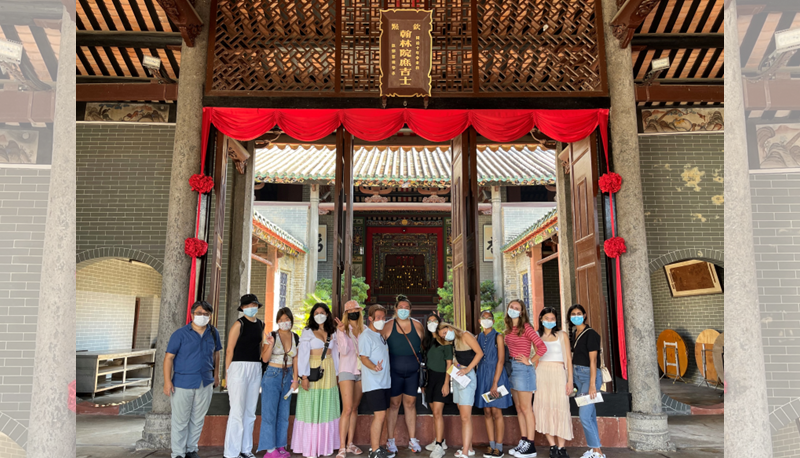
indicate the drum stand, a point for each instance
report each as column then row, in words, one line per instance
column 703, row 352
column 676, row 364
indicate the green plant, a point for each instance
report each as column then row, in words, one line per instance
column 322, row 293
column 488, row 302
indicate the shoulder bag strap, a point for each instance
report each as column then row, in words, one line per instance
column 579, row 337
column 409, row 340
column 325, row 349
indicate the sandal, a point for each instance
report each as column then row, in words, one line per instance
column 342, row 453
column 354, row 450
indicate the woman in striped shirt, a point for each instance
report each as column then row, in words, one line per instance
column 520, row 337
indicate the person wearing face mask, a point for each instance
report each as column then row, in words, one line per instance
column 374, row 356
column 190, row 376
column 439, row 358
column 348, row 330
column 467, row 354
column 279, row 351
column 520, row 338
column 316, row 421
column 585, row 360
column 243, row 378
column 554, row 380
column 404, row 334
column 491, row 375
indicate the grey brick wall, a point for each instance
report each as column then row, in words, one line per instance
column 23, row 213
column 682, row 184
column 786, row 442
column 688, row 316
column 106, row 298
column 9, row 448
column 517, row 219
column 123, row 176
column 293, row 220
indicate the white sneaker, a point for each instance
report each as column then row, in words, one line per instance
column 432, row 445
column 588, row 453
column 471, row 453
column 598, row 455
column 413, row 445
column 437, row 452
column 515, row 450
column 391, row 447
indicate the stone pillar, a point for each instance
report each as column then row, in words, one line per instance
column 52, row 424
column 241, row 241
column 498, row 238
column 312, row 257
column 566, row 250
column 181, row 215
column 746, row 386
column 647, row 423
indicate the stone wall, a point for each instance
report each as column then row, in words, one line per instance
column 786, row 442
column 106, row 300
column 9, row 448
column 23, row 212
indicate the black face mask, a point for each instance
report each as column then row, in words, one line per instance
column 353, row 316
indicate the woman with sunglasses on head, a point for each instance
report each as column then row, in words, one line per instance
column 585, row 361
column 316, row 422
column 349, row 328
column 554, row 380
column 280, row 353
column 491, row 375
column 438, row 359
column 467, row 354
column 404, row 336
column 520, row 337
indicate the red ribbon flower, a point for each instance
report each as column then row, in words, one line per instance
column 614, row 247
column 610, row 182
column 201, row 183
column 195, row 247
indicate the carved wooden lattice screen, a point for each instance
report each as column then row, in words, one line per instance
column 294, row 47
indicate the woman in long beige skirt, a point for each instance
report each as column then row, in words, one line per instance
column 554, row 380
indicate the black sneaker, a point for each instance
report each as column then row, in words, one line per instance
column 192, row 455
column 497, row 454
column 528, row 450
column 562, row 453
column 554, row 451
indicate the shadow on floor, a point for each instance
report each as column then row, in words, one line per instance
column 691, row 394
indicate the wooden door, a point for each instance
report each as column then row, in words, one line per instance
column 220, row 185
column 583, row 168
column 342, row 221
column 464, row 231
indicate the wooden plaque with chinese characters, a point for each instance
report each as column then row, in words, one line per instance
column 406, row 53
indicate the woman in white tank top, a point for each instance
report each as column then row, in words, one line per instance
column 554, row 384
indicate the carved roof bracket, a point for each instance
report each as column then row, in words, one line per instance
column 183, row 14
column 629, row 17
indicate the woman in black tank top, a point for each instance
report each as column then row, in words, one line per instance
column 243, row 377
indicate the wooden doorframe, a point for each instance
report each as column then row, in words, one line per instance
column 342, row 221
column 220, row 187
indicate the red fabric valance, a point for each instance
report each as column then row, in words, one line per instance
column 373, row 124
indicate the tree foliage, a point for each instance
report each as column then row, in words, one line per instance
column 323, row 293
column 488, row 302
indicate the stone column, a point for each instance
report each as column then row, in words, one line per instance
column 647, row 424
column 312, row 257
column 181, row 215
column 746, row 386
column 566, row 250
column 497, row 242
column 52, row 424
column 241, row 241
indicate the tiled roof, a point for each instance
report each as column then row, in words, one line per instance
column 515, row 165
column 534, row 235
column 271, row 233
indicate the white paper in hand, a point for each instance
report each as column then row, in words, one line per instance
column 489, row 397
column 585, row 400
column 462, row 380
column 288, row 393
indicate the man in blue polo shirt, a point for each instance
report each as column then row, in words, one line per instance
column 190, row 375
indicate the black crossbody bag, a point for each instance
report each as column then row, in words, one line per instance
column 317, row 373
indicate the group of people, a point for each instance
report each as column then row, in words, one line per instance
column 377, row 363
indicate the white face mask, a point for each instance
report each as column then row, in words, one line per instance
column 320, row 318
column 432, row 326
column 285, row 325
column 486, row 324
column 379, row 324
column 200, row 320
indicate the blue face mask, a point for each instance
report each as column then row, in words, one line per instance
column 549, row 324
column 450, row 336
column 250, row 311
column 513, row 313
column 403, row 314
column 576, row 320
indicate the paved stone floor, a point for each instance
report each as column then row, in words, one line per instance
column 691, row 394
column 697, row 436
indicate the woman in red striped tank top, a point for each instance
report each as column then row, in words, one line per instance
column 520, row 338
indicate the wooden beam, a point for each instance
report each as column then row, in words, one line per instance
column 678, row 40
column 27, row 107
column 26, row 13
column 125, row 92
column 629, row 17
column 98, row 79
column 183, row 15
column 777, row 94
column 752, row 7
column 549, row 258
column 677, row 93
column 124, row 39
column 258, row 258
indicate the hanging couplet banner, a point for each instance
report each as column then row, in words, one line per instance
column 406, row 52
